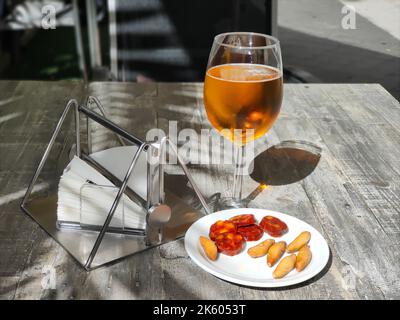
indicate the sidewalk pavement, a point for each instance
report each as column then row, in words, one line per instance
column 315, row 45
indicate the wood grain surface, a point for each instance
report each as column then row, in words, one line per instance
column 351, row 195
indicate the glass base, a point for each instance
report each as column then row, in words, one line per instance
column 230, row 203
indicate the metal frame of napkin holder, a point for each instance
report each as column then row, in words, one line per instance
column 158, row 213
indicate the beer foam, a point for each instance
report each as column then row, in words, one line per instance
column 244, row 72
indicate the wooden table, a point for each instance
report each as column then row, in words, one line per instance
column 352, row 196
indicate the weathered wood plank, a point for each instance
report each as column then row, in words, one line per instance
column 361, row 242
column 23, row 140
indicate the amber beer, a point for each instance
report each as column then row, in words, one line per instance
column 242, row 96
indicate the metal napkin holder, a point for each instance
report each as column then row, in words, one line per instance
column 167, row 216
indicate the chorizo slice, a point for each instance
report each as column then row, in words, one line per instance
column 273, row 226
column 251, row 233
column 229, row 243
column 220, row 227
column 243, row 220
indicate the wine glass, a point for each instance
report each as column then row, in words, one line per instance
column 243, row 93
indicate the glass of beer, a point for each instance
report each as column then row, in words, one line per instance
column 243, row 93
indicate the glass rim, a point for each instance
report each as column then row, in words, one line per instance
column 269, row 37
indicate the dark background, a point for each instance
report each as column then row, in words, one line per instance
column 169, row 40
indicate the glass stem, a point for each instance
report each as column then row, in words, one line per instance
column 238, row 174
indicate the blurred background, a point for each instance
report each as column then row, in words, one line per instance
column 327, row 41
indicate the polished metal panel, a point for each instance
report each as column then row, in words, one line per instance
column 168, row 216
column 79, row 243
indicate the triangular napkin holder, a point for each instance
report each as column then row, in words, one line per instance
column 167, row 217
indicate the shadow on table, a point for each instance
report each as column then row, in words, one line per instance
column 285, row 163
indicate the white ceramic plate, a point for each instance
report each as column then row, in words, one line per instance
column 244, row 270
